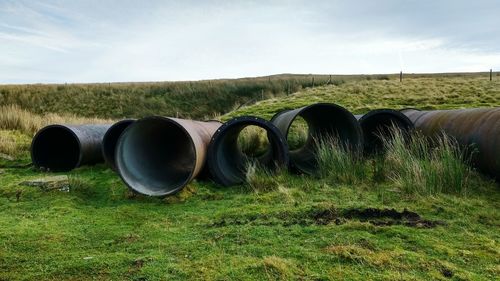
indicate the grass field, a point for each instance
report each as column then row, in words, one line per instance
column 373, row 226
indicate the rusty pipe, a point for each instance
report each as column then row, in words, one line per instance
column 111, row 139
column 323, row 120
column 477, row 128
column 66, row 147
column 379, row 124
column 158, row 156
column 228, row 164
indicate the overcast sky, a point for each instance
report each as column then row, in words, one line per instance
column 101, row 41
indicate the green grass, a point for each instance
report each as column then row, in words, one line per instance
column 277, row 226
column 339, row 163
column 417, row 165
column 298, row 231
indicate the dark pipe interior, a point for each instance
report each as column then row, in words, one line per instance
column 324, row 121
column 156, row 156
column 381, row 125
column 229, row 163
column 110, row 140
column 56, row 148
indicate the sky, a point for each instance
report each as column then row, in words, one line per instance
column 76, row 41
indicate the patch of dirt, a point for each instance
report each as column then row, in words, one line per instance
column 447, row 272
column 325, row 216
column 388, row 217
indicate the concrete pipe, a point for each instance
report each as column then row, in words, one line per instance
column 65, row 147
column 158, row 156
column 475, row 129
column 323, row 120
column 226, row 161
column 111, row 139
column 379, row 124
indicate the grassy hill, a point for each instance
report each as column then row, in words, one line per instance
column 192, row 99
column 360, row 96
column 286, row 227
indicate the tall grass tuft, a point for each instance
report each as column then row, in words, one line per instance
column 260, row 179
column 339, row 163
column 418, row 165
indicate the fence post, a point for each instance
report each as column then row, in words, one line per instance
column 491, row 74
column 313, row 81
column 401, row 76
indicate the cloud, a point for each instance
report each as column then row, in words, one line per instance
column 99, row 41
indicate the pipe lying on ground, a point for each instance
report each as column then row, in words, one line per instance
column 379, row 124
column 158, row 156
column 478, row 127
column 325, row 120
column 111, row 139
column 65, row 147
column 226, row 161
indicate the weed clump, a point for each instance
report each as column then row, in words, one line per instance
column 339, row 163
column 261, row 179
column 418, row 165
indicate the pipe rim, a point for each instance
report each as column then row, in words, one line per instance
column 244, row 121
column 372, row 124
column 119, row 163
column 395, row 113
column 308, row 107
column 353, row 139
column 110, row 156
column 66, row 129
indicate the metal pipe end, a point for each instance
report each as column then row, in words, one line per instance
column 324, row 120
column 56, row 148
column 110, row 141
column 379, row 124
column 156, row 156
column 228, row 164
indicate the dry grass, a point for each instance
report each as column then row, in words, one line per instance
column 13, row 143
column 12, row 117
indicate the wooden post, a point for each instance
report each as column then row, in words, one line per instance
column 491, row 74
column 330, row 79
column 313, row 81
column 401, row 76
column 262, row 94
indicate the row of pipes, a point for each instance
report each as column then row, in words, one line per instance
column 158, row 156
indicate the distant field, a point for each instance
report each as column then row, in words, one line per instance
column 197, row 99
column 206, row 99
column 355, row 223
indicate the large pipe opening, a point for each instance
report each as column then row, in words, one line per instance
column 156, row 156
column 111, row 139
column 324, row 121
column 379, row 125
column 227, row 159
column 56, row 148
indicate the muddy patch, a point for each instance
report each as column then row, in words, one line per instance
column 388, row 217
column 326, row 216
